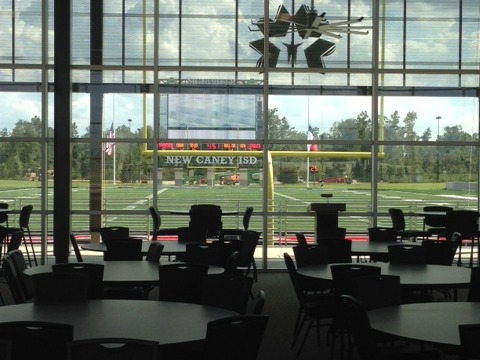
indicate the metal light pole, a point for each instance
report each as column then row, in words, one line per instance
column 438, row 154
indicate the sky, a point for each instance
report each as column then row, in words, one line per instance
column 427, row 40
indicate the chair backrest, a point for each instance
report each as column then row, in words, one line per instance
column 301, row 239
column 60, row 287
column 13, row 280
column 75, row 247
column 203, row 253
column 235, row 338
column 156, row 220
column 37, row 339
column 191, row 235
column 206, row 217
column 227, row 292
column 469, row 335
column 377, row 291
column 382, row 234
column 398, row 219
column 439, row 252
column 123, row 249
column 474, row 287
column 24, row 219
column 311, row 255
column 155, row 250
column 339, row 250
column 15, row 241
column 94, row 272
column 258, row 303
column 249, row 241
column 343, row 275
column 20, row 265
column 3, row 216
column 181, row 282
column 438, row 221
column 246, row 217
column 407, row 254
column 464, row 222
column 359, row 326
column 112, row 349
column 5, row 349
column 114, row 233
column 294, row 277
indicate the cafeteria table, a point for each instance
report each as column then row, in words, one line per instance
column 172, row 247
column 412, row 276
column 143, row 273
column 162, row 321
column 433, row 323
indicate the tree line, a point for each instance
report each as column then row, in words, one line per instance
column 20, row 151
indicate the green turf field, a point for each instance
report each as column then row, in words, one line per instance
column 127, row 204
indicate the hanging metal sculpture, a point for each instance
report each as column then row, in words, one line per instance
column 308, row 24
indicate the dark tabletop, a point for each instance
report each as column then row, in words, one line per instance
column 410, row 275
column 172, row 247
column 435, row 323
column 162, row 321
column 125, row 272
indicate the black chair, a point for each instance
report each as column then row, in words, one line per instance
column 309, row 255
column 301, row 239
column 94, row 272
column 474, row 287
column 234, row 234
column 246, row 247
column 343, row 276
column 4, row 216
column 398, row 223
column 156, row 222
column 24, row 227
column 384, row 235
column 13, row 280
column 206, row 218
column 314, row 309
column 20, row 265
column 181, row 282
column 439, row 252
column 112, row 349
column 60, row 287
column 154, row 253
column 464, row 222
column 204, row 253
column 114, row 233
column 469, row 336
column 258, row 303
column 5, row 349
column 364, row 337
column 227, row 292
column 37, row 339
column 375, row 291
column 234, row 338
column 435, row 225
column 75, row 247
column 407, row 254
column 123, row 249
column 339, row 250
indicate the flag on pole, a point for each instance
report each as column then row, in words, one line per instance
column 109, row 145
column 310, row 137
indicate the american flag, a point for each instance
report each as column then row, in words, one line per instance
column 310, row 137
column 109, row 145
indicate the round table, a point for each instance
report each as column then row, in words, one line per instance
column 367, row 248
column 162, row 321
column 427, row 276
column 435, row 323
column 125, row 272
column 170, row 247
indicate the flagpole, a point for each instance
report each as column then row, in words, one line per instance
column 113, row 144
column 308, row 145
